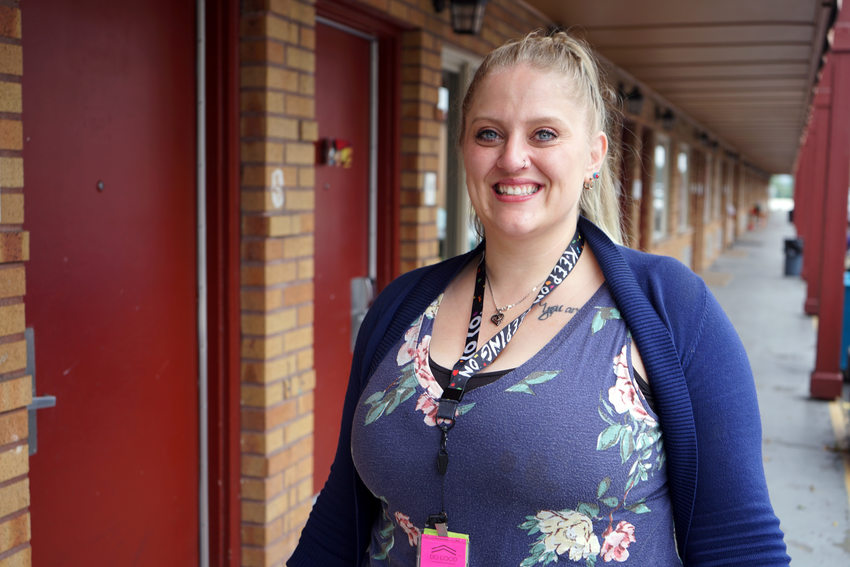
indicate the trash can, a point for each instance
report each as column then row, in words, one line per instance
column 793, row 256
column 845, row 329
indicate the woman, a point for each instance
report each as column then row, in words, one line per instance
column 606, row 414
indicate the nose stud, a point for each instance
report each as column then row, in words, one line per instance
column 524, row 164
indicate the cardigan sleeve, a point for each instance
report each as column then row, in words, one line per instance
column 733, row 522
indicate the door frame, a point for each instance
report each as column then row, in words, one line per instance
column 221, row 91
column 387, row 169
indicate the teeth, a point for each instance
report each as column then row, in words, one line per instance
column 517, row 189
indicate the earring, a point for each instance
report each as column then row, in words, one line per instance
column 588, row 183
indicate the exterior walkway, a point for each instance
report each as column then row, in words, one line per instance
column 806, row 454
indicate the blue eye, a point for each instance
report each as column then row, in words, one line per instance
column 545, row 135
column 487, row 135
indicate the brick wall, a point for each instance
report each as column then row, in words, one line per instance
column 15, row 386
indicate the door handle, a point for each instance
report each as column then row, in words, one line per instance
column 41, row 402
column 38, row 402
column 362, row 294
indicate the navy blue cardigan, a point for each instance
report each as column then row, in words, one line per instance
column 704, row 392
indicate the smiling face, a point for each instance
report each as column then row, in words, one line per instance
column 527, row 149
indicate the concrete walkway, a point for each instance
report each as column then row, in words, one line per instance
column 806, row 455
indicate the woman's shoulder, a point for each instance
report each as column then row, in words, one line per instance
column 677, row 293
column 649, row 270
column 428, row 280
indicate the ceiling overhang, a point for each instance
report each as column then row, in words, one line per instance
column 741, row 70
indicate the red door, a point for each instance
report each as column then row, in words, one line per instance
column 109, row 124
column 342, row 225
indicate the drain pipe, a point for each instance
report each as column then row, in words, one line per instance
column 203, row 339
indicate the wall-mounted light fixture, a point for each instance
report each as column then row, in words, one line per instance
column 708, row 141
column 634, row 101
column 666, row 117
column 467, row 15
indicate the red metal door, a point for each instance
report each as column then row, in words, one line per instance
column 109, row 123
column 342, row 224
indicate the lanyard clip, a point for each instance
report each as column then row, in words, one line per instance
column 446, row 411
column 435, row 520
column 443, row 454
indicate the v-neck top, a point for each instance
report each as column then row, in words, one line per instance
column 558, row 459
column 443, row 376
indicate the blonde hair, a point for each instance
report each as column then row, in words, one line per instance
column 574, row 59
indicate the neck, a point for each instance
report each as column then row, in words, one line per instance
column 514, row 267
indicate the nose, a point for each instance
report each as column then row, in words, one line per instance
column 514, row 155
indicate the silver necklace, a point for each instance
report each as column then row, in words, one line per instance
column 499, row 315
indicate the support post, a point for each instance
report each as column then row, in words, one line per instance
column 826, row 380
column 802, row 188
column 816, row 195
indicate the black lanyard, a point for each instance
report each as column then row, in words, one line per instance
column 473, row 361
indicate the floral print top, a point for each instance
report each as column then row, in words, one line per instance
column 560, row 460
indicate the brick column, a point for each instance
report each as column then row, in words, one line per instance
column 277, row 134
column 420, row 130
column 674, row 188
column 725, row 202
column 698, row 204
column 647, row 175
column 15, row 385
column 629, row 170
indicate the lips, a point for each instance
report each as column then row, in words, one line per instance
column 523, row 189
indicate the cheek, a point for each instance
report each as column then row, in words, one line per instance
column 567, row 167
column 477, row 162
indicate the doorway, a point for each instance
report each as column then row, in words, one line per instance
column 109, row 123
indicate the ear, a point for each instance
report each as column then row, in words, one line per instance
column 598, row 149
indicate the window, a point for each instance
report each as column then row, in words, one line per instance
column 660, row 198
column 684, row 189
column 454, row 220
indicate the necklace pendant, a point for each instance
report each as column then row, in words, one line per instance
column 497, row 318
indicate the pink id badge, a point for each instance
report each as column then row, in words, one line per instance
column 451, row 550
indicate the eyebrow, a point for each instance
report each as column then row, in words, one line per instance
column 533, row 120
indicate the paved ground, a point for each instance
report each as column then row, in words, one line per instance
column 806, row 455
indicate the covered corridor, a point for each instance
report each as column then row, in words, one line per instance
column 226, row 193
